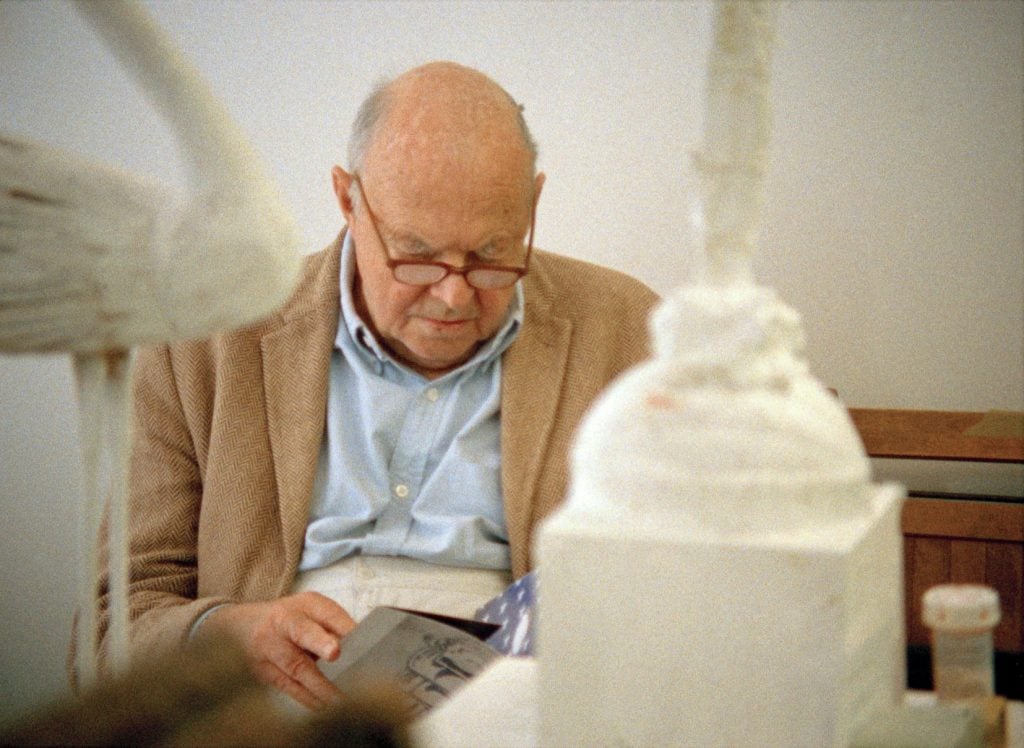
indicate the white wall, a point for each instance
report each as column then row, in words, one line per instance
column 894, row 220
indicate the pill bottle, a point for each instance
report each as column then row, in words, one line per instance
column 961, row 618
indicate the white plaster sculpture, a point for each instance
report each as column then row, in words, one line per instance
column 95, row 261
column 723, row 572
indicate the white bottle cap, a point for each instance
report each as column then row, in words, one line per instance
column 951, row 607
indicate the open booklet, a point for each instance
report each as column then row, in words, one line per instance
column 429, row 656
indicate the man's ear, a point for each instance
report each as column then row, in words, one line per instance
column 538, row 185
column 342, row 182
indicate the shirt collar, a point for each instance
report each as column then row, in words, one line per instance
column 355, row 338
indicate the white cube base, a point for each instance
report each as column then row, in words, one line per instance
column 654, row 635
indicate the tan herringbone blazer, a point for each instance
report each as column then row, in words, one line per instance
column 227, row 434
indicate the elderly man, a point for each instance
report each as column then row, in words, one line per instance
column 396, row 432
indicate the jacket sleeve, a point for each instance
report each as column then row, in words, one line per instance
column 164, row 494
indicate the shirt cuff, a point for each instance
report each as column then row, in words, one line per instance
column 199, row 621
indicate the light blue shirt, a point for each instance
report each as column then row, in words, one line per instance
column 409, row 466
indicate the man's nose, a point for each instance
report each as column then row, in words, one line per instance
column 454, row 290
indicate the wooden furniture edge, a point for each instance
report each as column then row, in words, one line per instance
column 964, row 519
column 941, row 435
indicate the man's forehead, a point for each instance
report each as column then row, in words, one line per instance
column 434, row 220
column 418, row 217
column 449, row 186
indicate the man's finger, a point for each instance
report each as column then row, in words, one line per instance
column 327, row 613
column 300, row 668
column 308, row 635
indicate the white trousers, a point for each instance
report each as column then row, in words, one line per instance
column 361, row 583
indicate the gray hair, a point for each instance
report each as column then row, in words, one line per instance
column 368, row 116
column 376, row 106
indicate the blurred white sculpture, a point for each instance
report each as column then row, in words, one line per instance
column 95, row 261
column 723, row 573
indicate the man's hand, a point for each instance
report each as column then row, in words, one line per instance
column 283, row 638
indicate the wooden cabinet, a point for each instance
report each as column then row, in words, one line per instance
column 955, row 540
column 959, row 538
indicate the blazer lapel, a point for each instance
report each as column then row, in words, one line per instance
column 533, row 372
column 296, row 361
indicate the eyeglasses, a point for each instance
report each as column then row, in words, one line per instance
column 421, row 273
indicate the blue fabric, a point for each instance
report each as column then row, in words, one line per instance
column 409, row 466
column 513, row 611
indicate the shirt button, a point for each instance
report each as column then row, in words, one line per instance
column 401, row 490
column 433, row 394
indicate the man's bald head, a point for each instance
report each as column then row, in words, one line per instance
column 441, row 112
